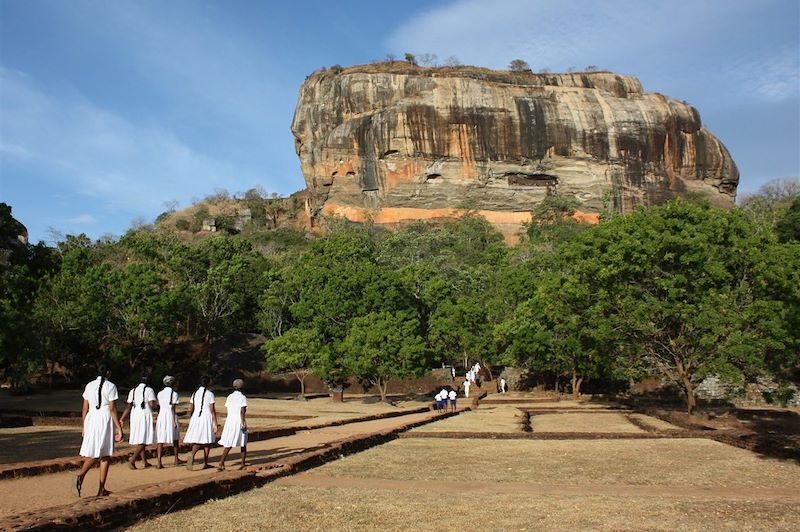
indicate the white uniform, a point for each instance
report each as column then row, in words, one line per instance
column 98, row 426
column 141, row 416
column 452, row 395
column 232, row 434
column 466, row 388
column 167, row 422
column 201, row 426
column 502, row 386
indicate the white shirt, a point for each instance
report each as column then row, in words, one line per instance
column 166, row 398
column 108, row 394
column 234, row 404
column 452, row 395
column 138, row 394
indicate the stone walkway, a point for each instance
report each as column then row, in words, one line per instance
column 24, row 498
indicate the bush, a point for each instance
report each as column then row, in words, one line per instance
column 519, row 65
column 182, row 224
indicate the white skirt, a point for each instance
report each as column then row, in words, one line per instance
column 142, row 427
column 201, row 429
column 166, row 429
column 98, row 434
column 232, row 435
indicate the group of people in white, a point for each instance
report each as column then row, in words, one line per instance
column 471, row 377
column 444, row 397
column 102, row 427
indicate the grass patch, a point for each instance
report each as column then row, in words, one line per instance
column 683, row 462
column 582, row 423
column 308, row 508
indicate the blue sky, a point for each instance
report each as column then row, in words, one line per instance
column 110, row 109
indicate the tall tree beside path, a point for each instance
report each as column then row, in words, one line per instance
column 691, row 290
column 382, row 346
column 298, row 351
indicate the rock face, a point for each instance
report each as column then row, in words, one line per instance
column 397, row 142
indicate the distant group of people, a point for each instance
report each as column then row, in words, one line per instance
column 444, row 397
column 102, row 427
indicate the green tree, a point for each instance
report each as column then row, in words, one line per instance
column 681, row 282
column 298, row 351
column 382, row 346
column 788, row 225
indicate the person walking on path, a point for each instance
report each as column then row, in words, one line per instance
column 101, row 428
column 466, row 388
column 502, row 385
column 141, row 401
column 234, row 434
column 203, row 426
column 167, row 428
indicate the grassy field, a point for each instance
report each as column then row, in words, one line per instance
column 682, row 462
column 309, row 508
column 476, row 484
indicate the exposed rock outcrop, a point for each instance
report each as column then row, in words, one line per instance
column 397, row 142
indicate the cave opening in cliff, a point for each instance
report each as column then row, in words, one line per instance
column 531, row 180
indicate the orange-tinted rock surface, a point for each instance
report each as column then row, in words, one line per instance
column 397, row 142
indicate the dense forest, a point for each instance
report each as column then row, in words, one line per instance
column 682, row 291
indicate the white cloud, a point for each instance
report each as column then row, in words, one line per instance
column 105, row 158
column 681, row 44
column 83, row 219
column 772, row 78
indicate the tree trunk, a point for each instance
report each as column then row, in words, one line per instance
column 302, row 386
column 691, row 400
column 489, row 371
column 576, row 384
column 557, row 377
column 382, row 385
column 688, row 386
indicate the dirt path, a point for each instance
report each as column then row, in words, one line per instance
column 316, row 480
column 44, row 491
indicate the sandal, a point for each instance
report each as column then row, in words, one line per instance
column 104, row 493
column 190, row 463
column 131, row 466
column 220, row 467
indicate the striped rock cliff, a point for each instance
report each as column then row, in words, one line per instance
column 396, row 142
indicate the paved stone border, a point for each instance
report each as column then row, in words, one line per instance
column 40, row 467
column 126, row 507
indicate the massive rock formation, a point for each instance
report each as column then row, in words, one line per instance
column 397, row 142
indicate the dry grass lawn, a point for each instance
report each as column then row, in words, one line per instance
column 655, row 423
column 307, row 508
column 582, row 423
column 681, row 462
column 484, row 419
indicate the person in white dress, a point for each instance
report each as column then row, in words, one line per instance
column 167, row 427
column 141, row 401
column 502, row 385
column 203, row 426
column 101, row 428
column 466, row 388
column 234, row 434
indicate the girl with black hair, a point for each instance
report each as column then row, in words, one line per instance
column 99, row 423
column 167, row 432
column 234, row 434
column 141, row 401
column 203, row 426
